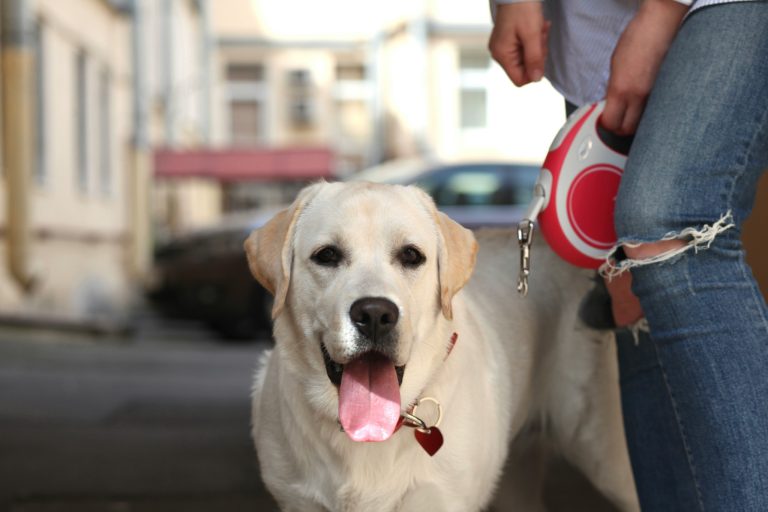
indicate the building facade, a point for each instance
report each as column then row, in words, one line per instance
column 85, row 97
column 70, row 151
column 374, row 82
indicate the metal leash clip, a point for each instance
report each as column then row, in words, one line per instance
column 525, row 230
column 524, row 238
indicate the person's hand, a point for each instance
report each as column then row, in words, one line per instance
column 519, row 41
column 636, row 61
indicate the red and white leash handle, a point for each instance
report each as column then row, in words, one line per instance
column 574, row 197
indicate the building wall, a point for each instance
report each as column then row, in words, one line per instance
column 172, row 46
column 2, row 186
column 173, row 35
column 60, row 202
column 411, row 98
column 272, row 35
column 519, row 123
column 78, row 211
column 183, row 205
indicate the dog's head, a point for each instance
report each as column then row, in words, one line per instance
column 363, row 276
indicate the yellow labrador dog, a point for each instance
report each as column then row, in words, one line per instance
column 397, row 382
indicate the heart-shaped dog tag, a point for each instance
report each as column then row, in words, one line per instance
column 431, row 440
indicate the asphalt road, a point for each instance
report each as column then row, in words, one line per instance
column 155, row 422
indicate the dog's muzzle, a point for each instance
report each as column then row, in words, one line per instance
column 375, row 318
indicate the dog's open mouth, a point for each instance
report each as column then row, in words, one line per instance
column 336, row 370
column 369, row 395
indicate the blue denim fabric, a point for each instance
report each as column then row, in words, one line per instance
column 695, row 394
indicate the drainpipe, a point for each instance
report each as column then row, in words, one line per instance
column 169, row 98
column 418, row 30
column 205, row 70
column 140, row 178
column 140, row 104
column 17, row 112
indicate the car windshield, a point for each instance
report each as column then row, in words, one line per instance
column 481, row 185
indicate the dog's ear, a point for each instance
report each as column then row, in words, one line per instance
column 456, row 259
column 270, row 249
column 457, row 251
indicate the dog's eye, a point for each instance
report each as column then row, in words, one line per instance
column 409, row 256
column 328, row 256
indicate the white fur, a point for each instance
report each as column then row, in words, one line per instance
column 517, row 361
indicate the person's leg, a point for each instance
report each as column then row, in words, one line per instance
column 694, row 394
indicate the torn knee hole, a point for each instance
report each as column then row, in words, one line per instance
column 669, row 246
column 651, row 249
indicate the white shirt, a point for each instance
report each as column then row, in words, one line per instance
column 582, row 39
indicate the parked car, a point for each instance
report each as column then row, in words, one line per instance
column 474, row 194
column 204, row 275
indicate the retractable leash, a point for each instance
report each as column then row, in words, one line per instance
column 574, row 196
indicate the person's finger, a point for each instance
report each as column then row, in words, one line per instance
column 509, row 56
column 533, row 54
column 612, row 117
column 632, row 117
column 514, row 70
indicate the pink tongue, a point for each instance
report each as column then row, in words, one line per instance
column 369, row 399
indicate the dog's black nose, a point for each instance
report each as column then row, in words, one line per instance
column 374, row 317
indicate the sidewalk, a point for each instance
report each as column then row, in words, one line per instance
column 118, row 425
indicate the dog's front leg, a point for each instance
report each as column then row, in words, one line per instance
column 425, row 497
column 295, row 497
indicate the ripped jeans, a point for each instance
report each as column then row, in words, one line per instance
column 695, row 393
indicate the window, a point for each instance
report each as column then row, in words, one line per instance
column 81, row 119
column 350, row 71
column 300, row 105
column 245, row 73
column 464, row 187
column 245, row 118
column 299, row 78
column 105, row 131
column 481, row 185
column 352, row 92
column 301, row 112
column 474, row 64
column 247, row 100
column 41, row 154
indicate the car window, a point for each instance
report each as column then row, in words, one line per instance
column 489, row 185
column 520, row 180
column 469, row 188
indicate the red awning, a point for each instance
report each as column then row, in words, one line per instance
column 245, row 164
